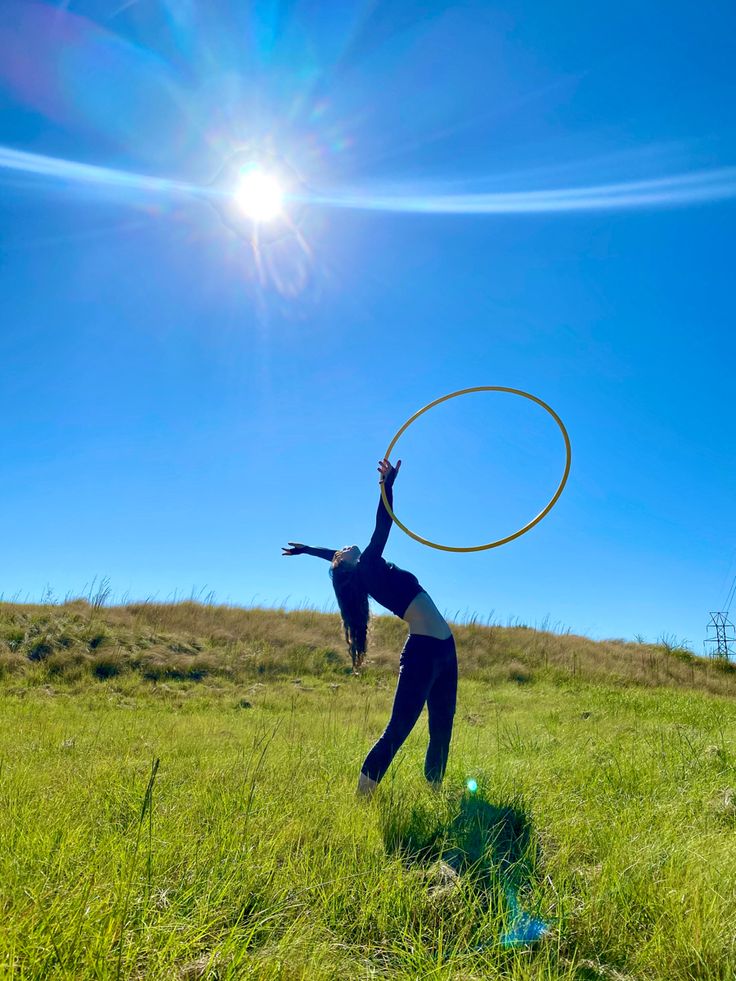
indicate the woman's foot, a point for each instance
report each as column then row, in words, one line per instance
column 366, row 786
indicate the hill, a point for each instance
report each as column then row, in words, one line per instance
column 189, row 640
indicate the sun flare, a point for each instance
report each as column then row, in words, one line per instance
column 259, row 195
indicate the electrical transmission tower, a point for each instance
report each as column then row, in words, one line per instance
column 723, row 644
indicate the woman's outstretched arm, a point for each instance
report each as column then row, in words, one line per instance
column 298, row 549
column 383, row 519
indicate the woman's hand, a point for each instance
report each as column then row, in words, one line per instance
column 296, row 549
column 388, row 473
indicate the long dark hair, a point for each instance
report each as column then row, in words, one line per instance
column 352, row 599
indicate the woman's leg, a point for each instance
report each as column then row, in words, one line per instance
column 416, row 672
column 441, row 700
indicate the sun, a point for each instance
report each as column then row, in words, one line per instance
column 259, row 195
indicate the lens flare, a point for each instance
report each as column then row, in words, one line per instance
column 259, row 195
column 472, row 785
column 524, row 928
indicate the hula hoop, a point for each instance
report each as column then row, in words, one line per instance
column 534, row 521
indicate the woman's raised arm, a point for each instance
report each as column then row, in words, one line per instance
column 299, row 549
column 383, row 519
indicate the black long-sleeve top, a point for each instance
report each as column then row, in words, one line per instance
column 389, row 585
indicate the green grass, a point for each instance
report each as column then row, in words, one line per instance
column 204, row 825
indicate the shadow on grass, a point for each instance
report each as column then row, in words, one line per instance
column 491, row 846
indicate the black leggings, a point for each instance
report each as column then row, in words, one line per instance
column 427, row 673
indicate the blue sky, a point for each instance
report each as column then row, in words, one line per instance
column 534, row 196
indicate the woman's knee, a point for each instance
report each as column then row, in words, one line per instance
column 441, row 718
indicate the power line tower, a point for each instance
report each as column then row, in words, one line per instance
column 723, row 644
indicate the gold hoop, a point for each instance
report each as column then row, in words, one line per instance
column 534, row 521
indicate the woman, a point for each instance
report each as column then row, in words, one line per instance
column 428, row 662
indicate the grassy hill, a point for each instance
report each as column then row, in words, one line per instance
column 76, row 641
column 177, row 801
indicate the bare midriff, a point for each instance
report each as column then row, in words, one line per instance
column 424, row 618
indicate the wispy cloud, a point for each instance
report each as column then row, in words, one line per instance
column 59, row 169
column 672, row 190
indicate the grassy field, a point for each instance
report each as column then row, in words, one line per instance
column 177, row 801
